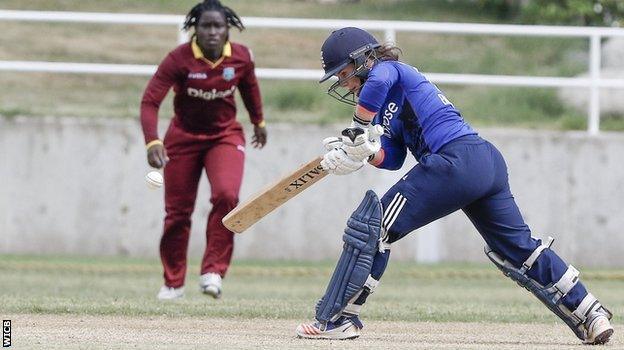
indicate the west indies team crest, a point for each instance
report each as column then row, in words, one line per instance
column 228, row 73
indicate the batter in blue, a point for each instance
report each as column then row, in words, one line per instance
column 397, row 110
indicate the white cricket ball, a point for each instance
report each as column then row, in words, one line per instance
column 154, row 179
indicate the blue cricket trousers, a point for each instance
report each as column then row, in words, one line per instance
column 470, row 174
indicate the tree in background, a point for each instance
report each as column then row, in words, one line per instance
column 504, row 9
column 571, row 12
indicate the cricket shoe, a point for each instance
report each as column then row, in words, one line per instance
column 170, row 293
column 210, row 284
column 343, row 328
column 599, row 329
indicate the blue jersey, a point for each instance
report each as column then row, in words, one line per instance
column 414, row 113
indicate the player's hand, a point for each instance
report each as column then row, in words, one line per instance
column 260, row 136
column 361, row 143
column 337, row 162
column 331, row 143
column 157, row 156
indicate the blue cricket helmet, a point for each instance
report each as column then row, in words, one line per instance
column 344, row 46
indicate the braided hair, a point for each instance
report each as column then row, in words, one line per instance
column 388, row 52
column 231, row 18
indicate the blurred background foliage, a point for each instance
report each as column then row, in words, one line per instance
column 84, row 95
column 570, row 12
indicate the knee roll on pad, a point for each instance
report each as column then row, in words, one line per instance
column 552, row 293
column 361, row 239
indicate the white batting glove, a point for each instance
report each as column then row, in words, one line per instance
column 337, row 162
column 361, row 143
column 331, row 143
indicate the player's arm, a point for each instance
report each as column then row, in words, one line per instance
column 361, row 145
column 372, row 96
column 374, row 93
column 391, row 156
column 250, row 93
column 154, row 93
column 362, row 116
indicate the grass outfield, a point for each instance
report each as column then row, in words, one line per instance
column 109, row 303
column 286, row 101
column 277, row 290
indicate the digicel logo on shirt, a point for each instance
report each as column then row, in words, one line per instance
column 211, row 94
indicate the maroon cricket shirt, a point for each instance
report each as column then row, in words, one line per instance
column 204, row 90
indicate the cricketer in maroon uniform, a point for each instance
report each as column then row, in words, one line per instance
column 203, row 135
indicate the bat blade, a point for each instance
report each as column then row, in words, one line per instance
column 265, row 201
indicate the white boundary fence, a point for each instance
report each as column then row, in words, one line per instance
column 595, row 34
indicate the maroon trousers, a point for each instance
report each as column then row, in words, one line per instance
column 222, row 158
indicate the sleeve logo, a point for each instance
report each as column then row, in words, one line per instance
column 445, row 100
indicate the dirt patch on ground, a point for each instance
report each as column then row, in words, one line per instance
column 114, row 332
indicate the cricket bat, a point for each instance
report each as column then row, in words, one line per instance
column 274, row 195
